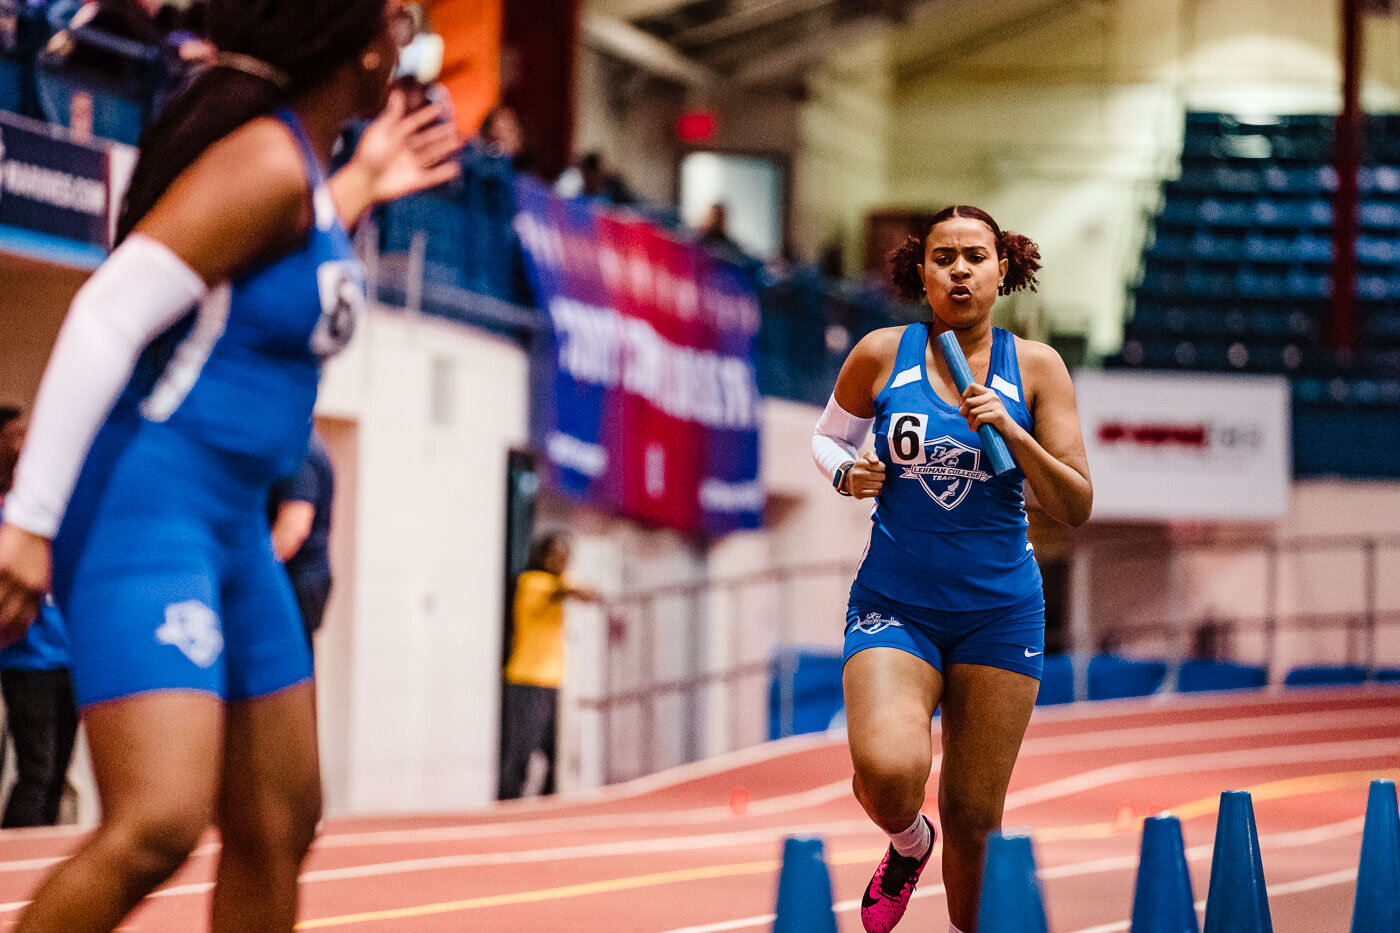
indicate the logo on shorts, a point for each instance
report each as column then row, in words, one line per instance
column 948, row 471
column 192, row 627
column 873, row 623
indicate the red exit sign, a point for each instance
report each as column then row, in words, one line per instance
column 696, row 126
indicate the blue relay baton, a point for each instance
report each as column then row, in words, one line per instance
column 992, row 442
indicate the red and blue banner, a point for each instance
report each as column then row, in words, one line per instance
column 654, row 408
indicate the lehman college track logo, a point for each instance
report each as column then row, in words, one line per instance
column 948, row 471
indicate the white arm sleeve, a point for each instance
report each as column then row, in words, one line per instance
column 838, row 437
column 138, row 293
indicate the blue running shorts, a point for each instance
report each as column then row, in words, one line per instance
column 171, row 583
column 1011, row 638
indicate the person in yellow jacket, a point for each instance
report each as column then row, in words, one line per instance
column 536, row 666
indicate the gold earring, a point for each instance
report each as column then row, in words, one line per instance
column 370, row 61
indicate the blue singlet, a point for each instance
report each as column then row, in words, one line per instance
column 163, row 565
column 948, row 553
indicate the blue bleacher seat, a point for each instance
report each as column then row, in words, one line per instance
column 1322, row 674
column 1259, row 282
column 1380, row 215
column 1235, row 180
column 1383, row 324
column 1377, row 287
column 1311, row 247
column 1197, row 675
column 816, row 690
column 1301, row 283
column 1056, row 681
column 1268, row 247
column 1112, row 677
column 1382, row 179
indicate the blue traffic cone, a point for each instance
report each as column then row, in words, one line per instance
column 1163, row 901
column 1237, row 901
column 1010, row 892
column 1378, row 879
column 804, row 889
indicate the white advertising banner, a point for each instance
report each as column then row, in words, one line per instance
column 1186, row 445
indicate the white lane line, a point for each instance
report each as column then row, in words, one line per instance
column 1221, row 727
column 1112, row 739
column 1345, row 876
column 1214, row 729
column 1116, row 863
column 1208, row 761
column 32, row 864
column 1042, row 793
column 1222, row 704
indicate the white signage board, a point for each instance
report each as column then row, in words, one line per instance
column 1194, row 446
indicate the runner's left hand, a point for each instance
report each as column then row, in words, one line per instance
column 981, row 405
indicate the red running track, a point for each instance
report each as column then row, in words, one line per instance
column 668, row 854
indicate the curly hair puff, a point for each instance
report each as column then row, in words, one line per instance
column 1021, row 254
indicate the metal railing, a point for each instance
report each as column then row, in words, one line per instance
column 1362, row 624
column 650, row 689
column 668, row 695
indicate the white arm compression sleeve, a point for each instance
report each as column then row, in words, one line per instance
column 139, row 292
column 838, row 437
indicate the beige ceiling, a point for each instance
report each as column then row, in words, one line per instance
column 755, row 42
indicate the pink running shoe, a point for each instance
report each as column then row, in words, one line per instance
column 887, row 895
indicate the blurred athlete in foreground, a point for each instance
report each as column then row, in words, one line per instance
column 180, row 388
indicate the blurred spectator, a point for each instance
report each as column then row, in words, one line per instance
column 536, row 666
column 154, row 43
column 301, row 531
column 589, row 178
column 185, row 31
column 129, row 20
column 40, row 714
column 714, row 234
column 502, row 136
column 9, row 25
column 420, row 62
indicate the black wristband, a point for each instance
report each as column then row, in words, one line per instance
column 838, row 479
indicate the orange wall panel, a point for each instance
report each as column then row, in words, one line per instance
column 471, row 68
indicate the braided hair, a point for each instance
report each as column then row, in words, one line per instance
column 1021, row 254
column 304, row 40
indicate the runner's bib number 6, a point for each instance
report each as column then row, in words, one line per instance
column 906, row 437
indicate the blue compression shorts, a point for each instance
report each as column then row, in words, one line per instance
column 1011, row 638
column 172, row 583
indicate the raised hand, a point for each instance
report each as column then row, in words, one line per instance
column 399, row 153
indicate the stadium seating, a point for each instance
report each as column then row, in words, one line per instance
column 1237, row 278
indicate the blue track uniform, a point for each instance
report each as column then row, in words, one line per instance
column 163, row 564
column 949, row 574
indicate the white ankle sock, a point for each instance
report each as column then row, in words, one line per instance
column 914, row 841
